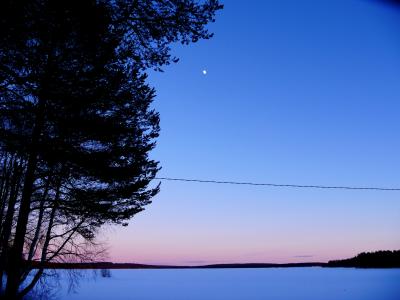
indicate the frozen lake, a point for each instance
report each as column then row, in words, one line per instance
column 239, row 284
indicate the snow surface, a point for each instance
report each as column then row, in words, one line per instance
column 244, row 284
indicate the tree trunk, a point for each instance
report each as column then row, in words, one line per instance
column 39, row 221
column 16, row 255
column 5, row 186
column 7, row 224
column 43, row 257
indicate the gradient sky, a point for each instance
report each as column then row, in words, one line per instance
column 304, row 92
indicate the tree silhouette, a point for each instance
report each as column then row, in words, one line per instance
column 377, row 259
column 76, row 121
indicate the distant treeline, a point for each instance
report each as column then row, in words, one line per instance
column 378, row 259
column 97, row 266
column 110, row 265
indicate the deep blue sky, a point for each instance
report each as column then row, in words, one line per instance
column 304, row 92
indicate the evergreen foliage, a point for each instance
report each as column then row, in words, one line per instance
column 76, row 122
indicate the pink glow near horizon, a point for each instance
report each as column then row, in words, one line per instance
column 163, row 244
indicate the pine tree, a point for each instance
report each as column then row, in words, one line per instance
column 76, row 121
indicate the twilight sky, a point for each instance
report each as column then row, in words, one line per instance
column 304, row 92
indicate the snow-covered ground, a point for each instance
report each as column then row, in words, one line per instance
column 244, row 284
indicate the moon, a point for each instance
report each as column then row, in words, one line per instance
column 204, row 72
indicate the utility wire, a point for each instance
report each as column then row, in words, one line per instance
column 280, row 185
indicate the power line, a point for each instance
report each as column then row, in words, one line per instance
column 279, row 185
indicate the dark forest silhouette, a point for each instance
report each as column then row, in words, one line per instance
column 377, row 259
column 76, row 123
